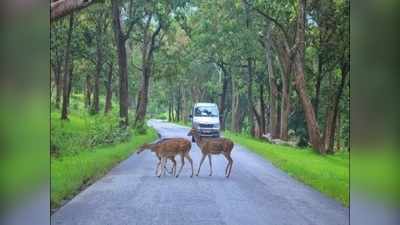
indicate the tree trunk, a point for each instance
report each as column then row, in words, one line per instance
column 71, row 70
column 61, row 8
column 225, row 81
column 338, row 133
column 99, row 63
column 272, row 86
column 122, row 64
column 66, row 78
column 184, row 107
column 235, row 120
column 178, row 109
column 58, row 83
column 317, row 90
column 285, row 105
column 108, row 103
column 143, row 94
column 169, row 112
column 250, row 96
column 282, row 49
column 300, row 84
column 262, row 109
column 88, row 94
column 332, row 126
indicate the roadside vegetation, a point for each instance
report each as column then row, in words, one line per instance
column 328, row 174
column 85, row 147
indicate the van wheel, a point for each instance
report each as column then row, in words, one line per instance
column 193, row 139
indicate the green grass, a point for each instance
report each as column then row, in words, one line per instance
column 371, row 165
column 72, row 172
column 328, row 174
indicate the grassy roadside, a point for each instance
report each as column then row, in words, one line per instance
column 328, row 174
column 69, row 174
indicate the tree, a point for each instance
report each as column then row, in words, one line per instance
column 273, row 123
column 120, row 39
column 108, row 84
column 67, row 71
column 101, row 24
column 149, row 45
column 57, row 59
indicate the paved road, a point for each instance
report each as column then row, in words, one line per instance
column 256, row 193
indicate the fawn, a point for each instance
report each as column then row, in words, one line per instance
column 213, row 146
column 167, row 149
column 149, row 146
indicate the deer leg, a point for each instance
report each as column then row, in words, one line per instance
column 226, row 168
column 158, row 164
column 172, row 160
column 201, row 162
column 209, row 160
column 163, row 160
column 230, row 165
column 191, row 162
column 183, row 163
column 174, row 166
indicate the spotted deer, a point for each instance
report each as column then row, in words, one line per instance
column 167, row 149
column 149, row 146
column 213, row 146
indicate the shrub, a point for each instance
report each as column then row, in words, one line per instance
column 85, row 132
column 105, row 130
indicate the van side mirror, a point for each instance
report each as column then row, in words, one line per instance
column 190, row 116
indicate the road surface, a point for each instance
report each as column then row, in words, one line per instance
column 257, row 193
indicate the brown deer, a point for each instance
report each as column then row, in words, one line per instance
column 167, row 149
column 213, row 146
column 149, row 146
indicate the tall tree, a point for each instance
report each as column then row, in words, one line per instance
column 57, row 59
column 67, row 69
column 100, row 17
column 120, row 39
column 108, row 102
column 222, row 98
column 150, row 44
column 273, row 118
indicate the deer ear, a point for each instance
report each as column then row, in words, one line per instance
column 190, row 132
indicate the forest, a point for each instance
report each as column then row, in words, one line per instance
column 276, row 69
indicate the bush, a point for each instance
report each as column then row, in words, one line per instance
column 105, row 130
column 140, row 128
column 85, row 132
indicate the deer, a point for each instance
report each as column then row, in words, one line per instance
column 172, row 158
column 213, row 146
column 167, row 149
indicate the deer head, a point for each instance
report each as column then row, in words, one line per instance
column 193, row 132
column 143, row 147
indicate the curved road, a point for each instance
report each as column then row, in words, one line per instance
column 257, row 193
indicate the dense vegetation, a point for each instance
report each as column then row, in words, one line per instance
column 86, row 146
column 276, row 69
column 329, row 175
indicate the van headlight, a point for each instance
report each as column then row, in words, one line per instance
column 216, row 125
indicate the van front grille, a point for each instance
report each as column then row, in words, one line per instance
column 206, row 125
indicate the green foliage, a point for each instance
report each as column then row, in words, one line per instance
column 69, row 174
column 85, row 132
column 328, row 174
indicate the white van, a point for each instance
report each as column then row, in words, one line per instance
column 205, row 119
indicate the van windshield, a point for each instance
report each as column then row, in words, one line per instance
column 206, row 111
